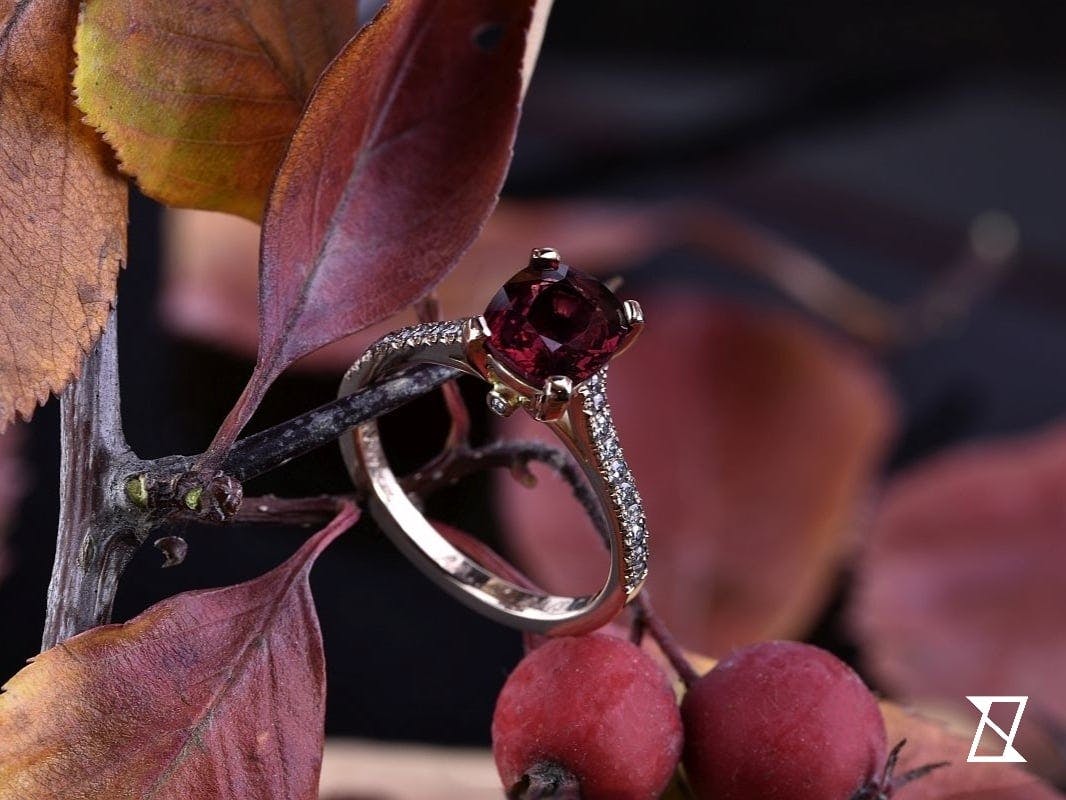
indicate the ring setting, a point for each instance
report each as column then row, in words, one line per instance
column 543, row 345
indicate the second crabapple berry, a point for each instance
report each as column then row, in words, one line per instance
column 590, row 714
column 782, row 720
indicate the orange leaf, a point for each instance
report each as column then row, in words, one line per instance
column 200, row 103
column 216, row 693
column 753, row 438
column 62, row 211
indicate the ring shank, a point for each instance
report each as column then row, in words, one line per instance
column 404, row 523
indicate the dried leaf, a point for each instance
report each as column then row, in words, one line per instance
column 216, row 693
column 960, row 590
column 753, row 439
column 199, row 104
column 62, row 211
column 396, row 164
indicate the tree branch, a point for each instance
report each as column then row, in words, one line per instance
column 110, row 500
column 98, row 528
column 269, row 449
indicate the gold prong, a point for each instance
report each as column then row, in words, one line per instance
column 476, row 328
column 544, row 257
column 632, row 312
column 633, row 316
column 550, row 404
column 476, row 332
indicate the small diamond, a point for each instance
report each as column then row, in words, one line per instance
column 498, row 404
column 600, row 423
column 608, row 446
column 634, row 533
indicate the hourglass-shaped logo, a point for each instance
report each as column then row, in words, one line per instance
column 984, row 705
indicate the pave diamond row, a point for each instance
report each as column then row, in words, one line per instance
column 422, row 335
column 620, row 483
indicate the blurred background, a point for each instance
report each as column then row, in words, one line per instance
column 844, row 221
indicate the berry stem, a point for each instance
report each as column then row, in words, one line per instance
column 662, row 636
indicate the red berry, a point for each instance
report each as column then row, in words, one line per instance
column 593, row 708
column 782, row 720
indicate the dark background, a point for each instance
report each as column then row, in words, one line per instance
column 870, row 132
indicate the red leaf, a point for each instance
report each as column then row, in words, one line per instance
column 216, row 693
column 961, row 591
column 391, row 173
column 753, row 438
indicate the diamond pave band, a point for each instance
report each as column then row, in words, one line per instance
column 543, row 346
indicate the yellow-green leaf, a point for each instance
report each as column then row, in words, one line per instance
column 199, row 102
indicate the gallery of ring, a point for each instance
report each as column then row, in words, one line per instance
column 542, row 346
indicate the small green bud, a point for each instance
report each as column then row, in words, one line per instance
column 192, row 498
column 137, row 491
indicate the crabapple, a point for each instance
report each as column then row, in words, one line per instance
column 591, row 714
column 782, row 720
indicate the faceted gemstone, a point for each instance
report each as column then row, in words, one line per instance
column 550, row 319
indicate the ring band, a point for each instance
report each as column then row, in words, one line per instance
column 575, row 410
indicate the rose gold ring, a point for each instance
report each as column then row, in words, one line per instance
column 542, row 345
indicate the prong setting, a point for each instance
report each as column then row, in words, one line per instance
column 632, row 313
column 633, row 316
column 551, row 403
column 546, row 257
column 474, row 329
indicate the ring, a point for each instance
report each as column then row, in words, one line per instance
column 543, row 345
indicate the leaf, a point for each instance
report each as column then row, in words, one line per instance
column 62, row 211
column 754, row 439
column 960, row 590
column 394, row 168
column 212, row 694
column 200, row 103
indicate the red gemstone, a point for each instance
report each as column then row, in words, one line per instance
column 550, row 319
